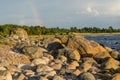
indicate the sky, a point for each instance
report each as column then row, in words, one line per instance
column 61, row 13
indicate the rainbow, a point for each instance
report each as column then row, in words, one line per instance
column 36, row 13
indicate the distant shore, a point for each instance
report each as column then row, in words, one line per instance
column 98, row 34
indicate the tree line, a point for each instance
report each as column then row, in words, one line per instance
column 42, row 30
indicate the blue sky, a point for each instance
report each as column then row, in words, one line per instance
column 61, row 13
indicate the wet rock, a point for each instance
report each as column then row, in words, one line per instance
column 87, row 76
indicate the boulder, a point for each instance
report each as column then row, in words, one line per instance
column 56, row 66
column 13, row 58
column 87, row 76
column 116, row 76
column 89, row 64
column 33, row 51
column 21, row 77
column 63, row 58
column 58, row 78
column 111, row 63
column 115, row 54
column 85, row 47
column 63, row 38
column 70, row 54
column 77, row 72
column 101, row 57
column 45, row 70
column 42, row 60
column 73, row 65
column 108, row 49
column 73, row 54
column 5, row 75
column 43, row 78
column 19, row 33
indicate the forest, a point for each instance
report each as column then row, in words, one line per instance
column 42, row 30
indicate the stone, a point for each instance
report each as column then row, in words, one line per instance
column 101, row 57
column 42, row 60
column 73, row 55
column 87, row 76
column 111, row 64
column 108, row 49
column 33, row 51
column 21, row 77
column 116, row 76
column 29, row 72
column 77, row 72
column 50, row 40
column 13, row 57
column 89, row 64
column 63, row 38
column 25, row 67
column 19, row 33
column 53, row 48
column 63, row 58
column 73, row 65
column 84, row 47
column 58, row 78
column 45, row 70
column 2, row 68
column 43, row 78
column 115, row 54
column 50, row 57
column 5, row 75
column 56, row 66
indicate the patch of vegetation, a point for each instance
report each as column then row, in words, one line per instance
column 42, row 30
column 5, row 43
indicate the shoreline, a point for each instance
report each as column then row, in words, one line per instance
column 98, row 34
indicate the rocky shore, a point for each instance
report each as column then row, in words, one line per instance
column 62, row 57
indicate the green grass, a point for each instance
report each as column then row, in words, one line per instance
column 5, row 43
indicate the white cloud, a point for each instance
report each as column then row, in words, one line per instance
column 90, row 10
